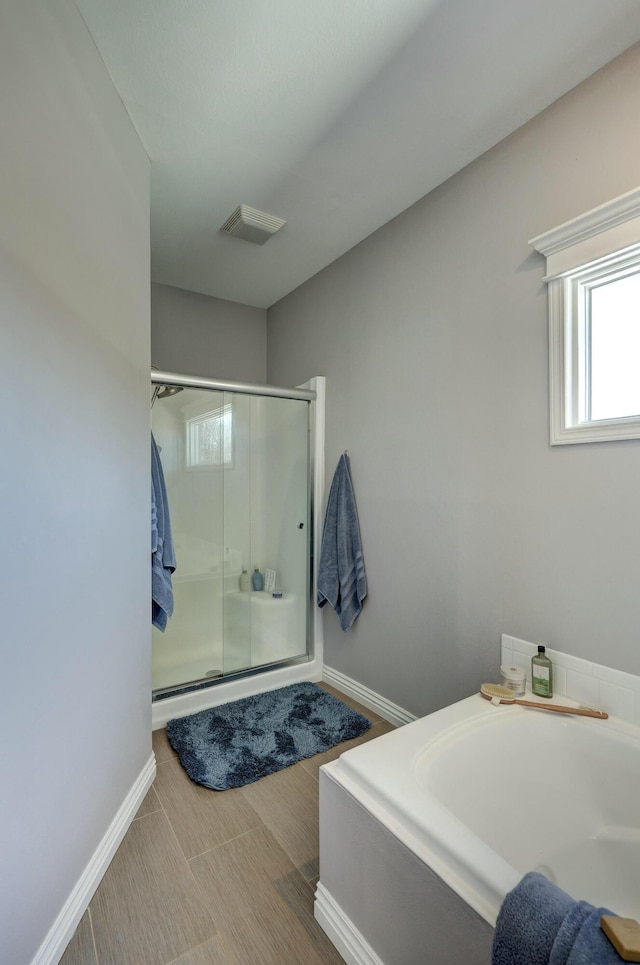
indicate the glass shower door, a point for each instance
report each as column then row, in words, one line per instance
column 267, row 517
column 236, row 469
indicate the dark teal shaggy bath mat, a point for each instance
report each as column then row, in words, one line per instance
column 237, row 743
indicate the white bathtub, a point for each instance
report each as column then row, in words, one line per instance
column 424, row 830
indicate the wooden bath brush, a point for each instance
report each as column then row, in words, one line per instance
column 502, row 695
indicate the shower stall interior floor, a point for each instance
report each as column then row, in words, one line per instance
column 215, row 878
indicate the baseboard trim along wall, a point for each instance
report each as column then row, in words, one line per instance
column 389, row 711
column 62, row 930
column 341, row 930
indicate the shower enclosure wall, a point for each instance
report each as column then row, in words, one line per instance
column 238, row 471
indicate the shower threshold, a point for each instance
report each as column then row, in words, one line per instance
column 215, row 677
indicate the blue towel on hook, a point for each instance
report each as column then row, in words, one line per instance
column 163, row 561
column 539, row 924
column 342, row 581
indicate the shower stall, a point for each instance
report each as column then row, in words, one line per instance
column 242, row 467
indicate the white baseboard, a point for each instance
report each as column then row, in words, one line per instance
column 341, row 931
column 391, row 712
column 62, row 930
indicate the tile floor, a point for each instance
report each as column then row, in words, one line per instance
column 215, row 878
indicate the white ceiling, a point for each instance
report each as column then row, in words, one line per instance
column 335, row 115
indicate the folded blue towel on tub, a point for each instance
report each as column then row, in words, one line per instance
column 342, row 581
column 539, row 924
column 163, row 561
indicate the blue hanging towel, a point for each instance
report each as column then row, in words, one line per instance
column 539, row 924
column 342, row 581
column 163, row 561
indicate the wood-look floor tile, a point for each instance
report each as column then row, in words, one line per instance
column 201, row 818
column 360, row 708
column 211, row 953
column 287, row 802
column 264, row 908
column 161, row 746
column 149, row 805
column 81, row 950
column 148, row 909
column 313, row 764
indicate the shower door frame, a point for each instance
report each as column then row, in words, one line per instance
column 242, row 388
column 308, row 666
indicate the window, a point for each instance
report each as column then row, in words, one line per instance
column 209, row 439
column 593, row 274
column 612, row 322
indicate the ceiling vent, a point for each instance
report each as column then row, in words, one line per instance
column 252, row 225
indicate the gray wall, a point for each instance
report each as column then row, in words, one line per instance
column 74, row 425
column 432, row 334
column 198, row 335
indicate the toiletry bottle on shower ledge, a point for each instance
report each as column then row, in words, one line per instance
column 244, row 581
column 257, row 580
column 541, row 674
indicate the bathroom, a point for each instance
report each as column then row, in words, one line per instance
column 432, row 335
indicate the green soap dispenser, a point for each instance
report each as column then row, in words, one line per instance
column 542, row 674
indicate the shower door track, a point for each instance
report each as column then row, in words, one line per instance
column 221, row 679
column 243, row 388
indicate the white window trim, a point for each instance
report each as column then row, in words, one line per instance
column 604, row 238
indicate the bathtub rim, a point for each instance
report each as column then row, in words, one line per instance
column 476, row 886
column 471, row 868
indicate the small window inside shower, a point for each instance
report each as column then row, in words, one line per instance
column 209, row 439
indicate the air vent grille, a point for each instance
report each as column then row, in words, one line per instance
column 252, row 225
